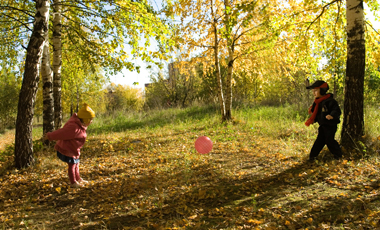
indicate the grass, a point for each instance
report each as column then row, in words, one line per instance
column 144, row 173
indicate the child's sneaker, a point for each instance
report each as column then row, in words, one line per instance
column 81, row 181
column 76, row 185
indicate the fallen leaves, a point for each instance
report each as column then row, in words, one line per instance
column 160, row 182
column 255, row 222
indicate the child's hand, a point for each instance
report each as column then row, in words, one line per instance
column 329, row 117
column 45, row 137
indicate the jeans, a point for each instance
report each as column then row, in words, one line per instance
column 67, row 159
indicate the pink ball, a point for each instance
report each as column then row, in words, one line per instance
column 203, row 145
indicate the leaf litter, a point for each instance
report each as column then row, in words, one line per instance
column 156, row 180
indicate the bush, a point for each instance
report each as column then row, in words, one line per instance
column 124, row 98
column 9, row 92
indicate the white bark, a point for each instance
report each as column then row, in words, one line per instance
column 47, row 87
column 217, row 66
column 355, row 25
column 57, row 62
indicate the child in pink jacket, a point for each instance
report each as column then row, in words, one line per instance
column 70, row 139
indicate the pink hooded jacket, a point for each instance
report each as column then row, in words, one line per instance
column 71, row 137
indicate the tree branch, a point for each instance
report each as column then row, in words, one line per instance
column 320, row 15
column 372, row 27
column 10, row 8
column 17, row 20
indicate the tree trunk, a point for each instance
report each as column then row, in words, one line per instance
column 71, row 106
column 47, row 91
column 353, row 117
column 230, row 47
column 77, row 98
column 27, row 97
column 217, row 67
column 57, row 63
column 229, row 85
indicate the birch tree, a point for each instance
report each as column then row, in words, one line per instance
column 24, row 122
column 246, row 30
column 231, row 29
column 47, row 90
column 57, row 62
column 353, row 116
column 214, row 24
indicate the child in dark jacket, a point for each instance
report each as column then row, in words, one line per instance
column 70, row 139
column 325, row 110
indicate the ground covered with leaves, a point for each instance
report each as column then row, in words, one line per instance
column 152, row 178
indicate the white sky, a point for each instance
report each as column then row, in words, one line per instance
column 127, row 77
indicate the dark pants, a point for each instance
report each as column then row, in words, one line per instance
column 326, row 136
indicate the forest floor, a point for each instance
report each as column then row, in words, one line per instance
column 151, row 177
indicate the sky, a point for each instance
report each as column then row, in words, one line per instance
column 127, row 77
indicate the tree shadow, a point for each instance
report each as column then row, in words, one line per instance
column 202, row 199
column 149, row 198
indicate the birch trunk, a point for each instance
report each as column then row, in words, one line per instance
column 24, row 123
column 47, row 91
column 230, row 47
column 229, row 83
column 57, row 63
column 217, row 66
column 353, row 116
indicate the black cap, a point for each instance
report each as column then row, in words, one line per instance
column 318, row 84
